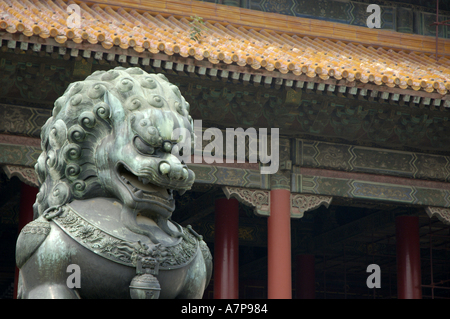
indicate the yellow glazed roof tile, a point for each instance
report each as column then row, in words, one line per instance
column 254, row 40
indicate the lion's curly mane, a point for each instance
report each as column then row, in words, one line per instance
column 81, row 119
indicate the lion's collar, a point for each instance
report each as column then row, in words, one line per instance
column 104, row 213
column 96, row 230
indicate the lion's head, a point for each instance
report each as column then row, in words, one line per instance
column 111, row 136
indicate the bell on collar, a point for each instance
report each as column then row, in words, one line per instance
column 145, row 285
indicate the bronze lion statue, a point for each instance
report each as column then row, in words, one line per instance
column 107, row 174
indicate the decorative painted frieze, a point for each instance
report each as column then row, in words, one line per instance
column 22, row 120
column 429, row 194
column 24, row 155
column 402, row 16
column 360, row 159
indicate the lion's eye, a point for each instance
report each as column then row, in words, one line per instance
column 143, row 147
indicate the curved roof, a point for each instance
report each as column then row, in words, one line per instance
column 112, row 25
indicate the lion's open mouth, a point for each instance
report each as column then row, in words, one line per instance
column 141, row 187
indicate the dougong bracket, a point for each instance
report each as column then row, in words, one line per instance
column 256, row 198
column 260, row 200
column 25, row 174
column 301, row 203
column 442, row 213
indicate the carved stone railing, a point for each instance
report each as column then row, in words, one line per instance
column 260, row 200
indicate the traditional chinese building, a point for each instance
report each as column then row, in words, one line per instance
column 363, row 116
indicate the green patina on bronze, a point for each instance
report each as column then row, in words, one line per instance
column 107, row 172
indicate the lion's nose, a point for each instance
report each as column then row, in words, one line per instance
column 173, row 169
column 164, row 168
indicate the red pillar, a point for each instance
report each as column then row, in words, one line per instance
column 305, row 284
column 27, row 199
column 226, row 249
column 279, row 245
column 409, row 278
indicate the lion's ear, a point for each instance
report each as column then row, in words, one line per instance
column 117, row 111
